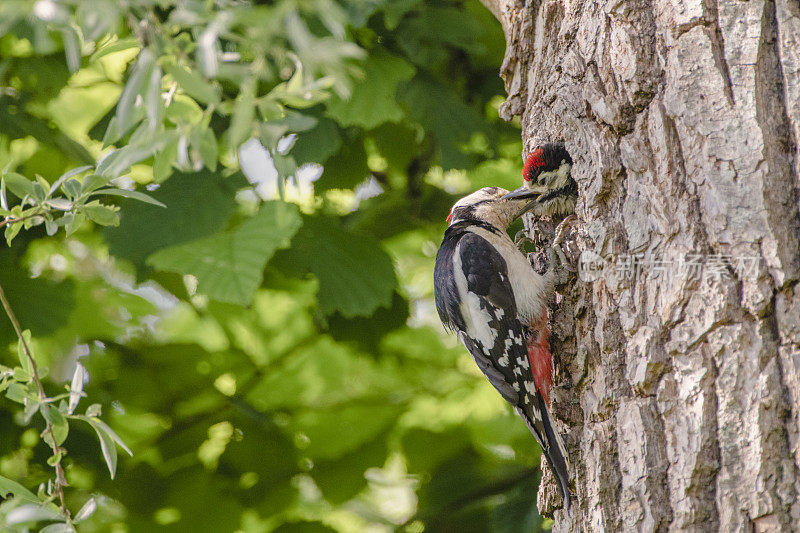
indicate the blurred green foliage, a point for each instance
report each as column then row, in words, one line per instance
column 266, row 344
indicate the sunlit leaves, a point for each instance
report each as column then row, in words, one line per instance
column 228, row 266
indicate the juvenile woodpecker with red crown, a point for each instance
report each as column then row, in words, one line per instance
column 489, row 294
column 548, row 178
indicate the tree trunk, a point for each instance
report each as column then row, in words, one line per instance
column 678, row 384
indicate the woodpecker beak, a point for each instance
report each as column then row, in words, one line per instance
column 526, row 192
column 526, row 196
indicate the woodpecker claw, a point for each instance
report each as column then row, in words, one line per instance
column 559, row 264
column 561, row 229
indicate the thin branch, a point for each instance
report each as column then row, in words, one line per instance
column 20, row 219
column 61, row 479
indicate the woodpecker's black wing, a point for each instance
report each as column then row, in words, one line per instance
column 475, row 298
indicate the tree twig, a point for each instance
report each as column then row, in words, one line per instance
column 61, row 479
column 20, row 219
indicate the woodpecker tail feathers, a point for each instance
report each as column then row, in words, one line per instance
column 552, row 448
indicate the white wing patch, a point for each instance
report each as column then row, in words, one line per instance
column 475, row 317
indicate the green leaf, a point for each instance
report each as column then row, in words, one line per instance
column 229, row 266
column 126, row 117
column 9, row 486
column 86, row 511
column 108, row 441
column 31, row 513
column 57, row 422
column 347, row 167
column 318, row 144
column 120, row 160
column 244, row 110
column 64, row 177
column 105, row 428
column 193, row 83
column 373, row 100
column 53, row 460
column 108, row 449
column 58, row 528
column 24, row 360
column 154, row 104
column 92, row 182
column 115, row 46
column 17, row 392
column 205, row 142
column 428, row 37
column 11, row 231
column 18, row 184
column 105, row 215
column 444, row 114
column 333, row 433
column 72, row 49
column 72, row 188
column 136, row 195
column 355, row 275
column 200, row 204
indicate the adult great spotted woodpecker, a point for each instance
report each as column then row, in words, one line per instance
column 489, row 294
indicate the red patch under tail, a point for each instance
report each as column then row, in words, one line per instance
column 539, row 356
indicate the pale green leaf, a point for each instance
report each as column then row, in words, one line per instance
column 105, row 215
column 135, row 195
column 24, row 360
column 86, row 511
column 57, row 422
column 193, row 83
column 18, row 184
column 31, row 513
column 9, row 486
column 64, row 177
column 205, row 142
column 244, row 109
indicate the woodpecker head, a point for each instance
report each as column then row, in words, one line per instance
column 548, row 180
column 490, row 204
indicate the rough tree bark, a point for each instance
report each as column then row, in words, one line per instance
column 680, row 395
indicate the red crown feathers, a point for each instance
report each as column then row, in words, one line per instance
column 535, row 160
